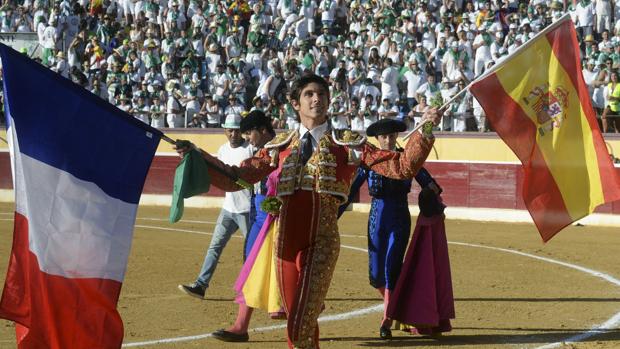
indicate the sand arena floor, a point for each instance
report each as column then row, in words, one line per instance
column 511, row 290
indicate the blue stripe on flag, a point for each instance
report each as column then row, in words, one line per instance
column 67, row 127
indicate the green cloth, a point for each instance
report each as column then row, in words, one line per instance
column 190, row 178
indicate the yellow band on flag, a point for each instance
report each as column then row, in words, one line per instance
column 547, row 95
column 538, row 103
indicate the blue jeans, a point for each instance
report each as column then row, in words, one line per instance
column 226, row 225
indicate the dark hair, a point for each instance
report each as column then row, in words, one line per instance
column 257, row 120
column 306, row 80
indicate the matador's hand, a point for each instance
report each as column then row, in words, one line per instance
column 432, row 115
column 183, row 147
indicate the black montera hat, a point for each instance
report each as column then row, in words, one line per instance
column 253, row 120
column 384, row 127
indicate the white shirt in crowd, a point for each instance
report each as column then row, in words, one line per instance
column 237, row 201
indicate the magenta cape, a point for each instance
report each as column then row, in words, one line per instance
column 423, row 294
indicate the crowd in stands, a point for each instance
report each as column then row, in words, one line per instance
column 191, row 63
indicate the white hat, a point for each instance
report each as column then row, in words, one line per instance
column 499, row 35
column 512, row 26
column 232, row 121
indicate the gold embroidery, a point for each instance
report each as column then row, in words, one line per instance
column 327, row 158
column 323, row 262
column 324, row 142
column 286, row 187
column 288, row 172
column 318, row 175
column 326, row 171
column 340, row 189
column 280, row 140
column 348, row 137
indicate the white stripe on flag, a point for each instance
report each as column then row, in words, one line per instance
column 75, row 229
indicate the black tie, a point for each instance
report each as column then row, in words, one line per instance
column 306, row 148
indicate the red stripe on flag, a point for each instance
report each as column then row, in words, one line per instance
column 543, row 198
column 505, row 114
column 56, row 312
column 563, row 41
column 541, row 194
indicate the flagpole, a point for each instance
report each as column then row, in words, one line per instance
column 496, row 66
column 443, row 107
column 217, row 168
column 521, row 48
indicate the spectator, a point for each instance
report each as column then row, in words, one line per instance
column 211, row 111
column 610, row 118
column 196, row 45
column 389, row 81
column 387, row 110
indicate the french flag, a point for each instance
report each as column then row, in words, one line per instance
column 78, row 166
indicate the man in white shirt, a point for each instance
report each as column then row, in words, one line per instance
column 586, row 17
column 174, row 115
column 461, row 73
column 387, row 110
column 233, row 44
column 61, row 67
column 235, row 214
column 604, row 14
column 482, row 47
column 49, row 41
column 356, row 76
column 389, row 81
column 368, row 88
column 327, row 8
column 414, row 77
column 220, row 85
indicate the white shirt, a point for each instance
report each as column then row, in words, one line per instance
column 316, row 133
column 357, row 124
column 389, row 81
column 585, row 14
column 237, row 201
column 414, row 81
column 49, row 37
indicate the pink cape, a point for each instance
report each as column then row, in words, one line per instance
column 272, row 185
column 423, row 294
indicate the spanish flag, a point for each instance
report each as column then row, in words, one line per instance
column 538, row 103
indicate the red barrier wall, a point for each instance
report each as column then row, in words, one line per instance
column 488, row 185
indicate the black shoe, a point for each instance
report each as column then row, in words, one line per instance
column 194, row 290
column 227, row 336
column 385, row 332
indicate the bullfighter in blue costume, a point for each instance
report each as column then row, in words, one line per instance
column 389, row 221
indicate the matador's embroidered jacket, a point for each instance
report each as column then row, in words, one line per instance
column 308, row 242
